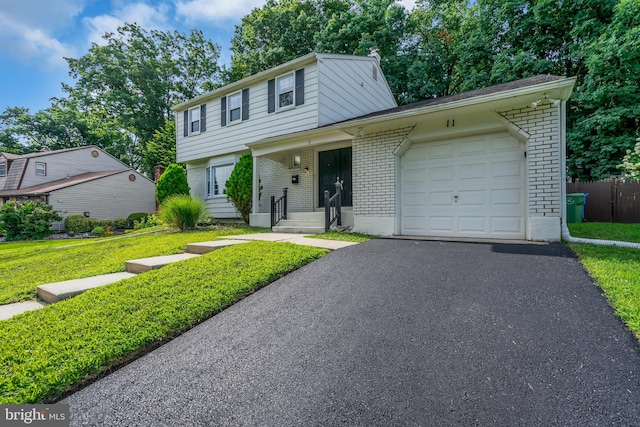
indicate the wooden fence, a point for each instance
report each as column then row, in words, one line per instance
column 610, row 201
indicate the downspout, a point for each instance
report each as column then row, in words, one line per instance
column 566, row 236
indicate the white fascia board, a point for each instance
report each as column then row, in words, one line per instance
column 299, row 140
column 247, row 81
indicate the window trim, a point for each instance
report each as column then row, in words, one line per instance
column 298, row 92
column 191, row 121
column 210, row 186
column 239, row 119
column 4, row 163
column 292, row 75
column 44, row 166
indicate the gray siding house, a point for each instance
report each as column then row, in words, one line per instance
column 82, row 180
column 488, row 163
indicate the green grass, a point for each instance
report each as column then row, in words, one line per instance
column 616, row 270
column 25, row 265
column 47, row 352
column 343, row 235
column 606, row 231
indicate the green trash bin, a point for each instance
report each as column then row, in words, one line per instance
column 575, row 201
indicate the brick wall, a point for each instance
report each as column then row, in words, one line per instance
column 374, row 172
column 543, row 157
column 275, row 173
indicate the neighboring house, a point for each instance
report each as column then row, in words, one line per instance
column 489, row 163
column 83, row 180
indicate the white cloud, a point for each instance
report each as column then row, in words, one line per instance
column 147, row 17
column 28, row 39
column 215, row 10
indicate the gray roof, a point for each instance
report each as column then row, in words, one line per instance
column 60, row 183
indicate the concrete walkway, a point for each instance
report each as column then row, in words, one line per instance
column 392, row 332
column 54, row 292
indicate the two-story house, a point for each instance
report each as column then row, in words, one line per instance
column 83, row 180
column 488, row 163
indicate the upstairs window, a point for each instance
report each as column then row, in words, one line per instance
column 41, row 169
column 3, row 168
column 234, row 108
column 216, row 179
column 285, row 91
column 195, row 120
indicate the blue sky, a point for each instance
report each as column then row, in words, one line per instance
column 36, row 35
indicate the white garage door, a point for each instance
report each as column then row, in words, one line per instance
column 467, row 187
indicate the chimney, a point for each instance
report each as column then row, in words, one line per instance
column 159, row 170
column 374, row 53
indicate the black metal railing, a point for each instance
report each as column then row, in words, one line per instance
column 333, row 207
column 279, row 208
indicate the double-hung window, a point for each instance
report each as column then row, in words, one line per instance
column 235, row 107
column 285, row 86
column 285, row 91
column 195, row 120
column 216, row 179
column 3, row 168
column 41, row 168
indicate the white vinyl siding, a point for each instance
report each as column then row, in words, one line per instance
column 348, row 88
column 217, row 207
column 69, row 163
column 220, row 140
column 114, row 196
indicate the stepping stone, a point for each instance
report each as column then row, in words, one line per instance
column 7, row 311
column 143, row 265
column 54, row 292
column 206, row 247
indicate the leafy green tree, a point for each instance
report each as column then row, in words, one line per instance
column 29, row 220
column 172, row 181
column 631, row 162
column 131, row 82
column 239, row 187
column 609, row 99
column 161, row 148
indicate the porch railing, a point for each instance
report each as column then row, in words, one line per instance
column 333, row 207
column 279, row 208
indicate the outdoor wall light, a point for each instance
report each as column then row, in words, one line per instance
column 306, row 171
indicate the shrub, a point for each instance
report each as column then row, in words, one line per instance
column 182, row 211
column 240, row 188
column 30, row 220
column 104, row 223
column 79, row 224
column 120, row 223
column 135, row 217
column 98, row 230
column 172, row 181
column 148, row 222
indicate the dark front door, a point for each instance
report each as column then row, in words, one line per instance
column 335, row 165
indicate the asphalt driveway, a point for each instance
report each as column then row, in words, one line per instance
column 393, row 332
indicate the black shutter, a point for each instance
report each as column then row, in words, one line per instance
column 300, row 86
column 223, row 111
column 186, row 123
column 245, row 104
column 271, row 96
column 203, row 117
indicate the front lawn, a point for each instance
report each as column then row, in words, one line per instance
column 616, row 270
column 343, row 235
column 26, row 265
column 47, row 352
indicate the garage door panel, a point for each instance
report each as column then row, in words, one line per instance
column 473, row 186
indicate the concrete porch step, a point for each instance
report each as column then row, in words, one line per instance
column 206, row 247
column 143, row 265
column 54, row 292
column 299, row 226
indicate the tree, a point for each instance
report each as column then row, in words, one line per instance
column 29, row 220
column 132, row 81
column 631, row 162
column 161, row 149
column 239, row 187
column 172, row 181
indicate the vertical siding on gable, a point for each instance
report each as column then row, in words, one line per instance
column 69, row 163
column 347, row 89
column 97, row 197
column 218, row 140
